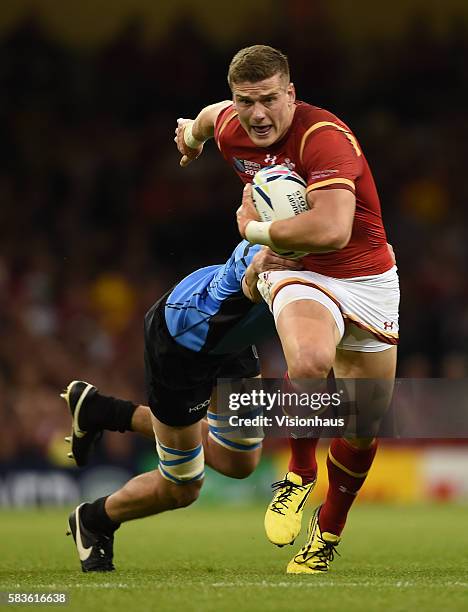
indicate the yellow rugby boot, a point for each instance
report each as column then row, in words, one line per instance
column 317, row 554
column 283, row 517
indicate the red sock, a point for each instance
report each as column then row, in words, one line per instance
column 303, row 461
column 347, row 470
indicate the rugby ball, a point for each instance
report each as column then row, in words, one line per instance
column 279, row 193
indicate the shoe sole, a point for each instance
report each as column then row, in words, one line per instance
column 71, row 529
column 76, row 432
column 285, row 543
column 302, row 569
column 76, row 413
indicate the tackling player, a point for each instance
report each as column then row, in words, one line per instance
column 341, row 312
column 202, row 329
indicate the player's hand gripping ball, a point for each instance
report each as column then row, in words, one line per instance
column 279, row 193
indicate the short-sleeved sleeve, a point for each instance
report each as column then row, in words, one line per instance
column 332, row 159
column 224, row 117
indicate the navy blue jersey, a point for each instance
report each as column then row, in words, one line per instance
column 208, row 312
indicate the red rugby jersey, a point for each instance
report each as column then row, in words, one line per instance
column 324, row 151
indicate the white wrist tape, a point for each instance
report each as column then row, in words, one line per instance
column 190, row 139
column 258, row 232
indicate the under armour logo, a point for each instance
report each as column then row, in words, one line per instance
column 271, row 159
column 388, row 325
column 343, row 489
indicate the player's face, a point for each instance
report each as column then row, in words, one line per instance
column 265, row 108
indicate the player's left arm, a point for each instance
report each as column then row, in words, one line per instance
column 326, row 227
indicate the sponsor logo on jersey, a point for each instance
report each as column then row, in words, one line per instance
column 272, row 160
column 289, row 164
column 246, row 167
column 319, row 174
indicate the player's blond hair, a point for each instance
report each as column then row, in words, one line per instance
column 257, row 63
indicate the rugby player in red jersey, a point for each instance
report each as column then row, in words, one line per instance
column 341, row 312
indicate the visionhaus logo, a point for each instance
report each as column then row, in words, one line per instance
column 284, row 421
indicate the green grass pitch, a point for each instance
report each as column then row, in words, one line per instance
column 205, row 559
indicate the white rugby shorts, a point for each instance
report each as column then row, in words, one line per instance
column 365, row 308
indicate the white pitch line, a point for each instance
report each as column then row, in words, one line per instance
column 313, row 583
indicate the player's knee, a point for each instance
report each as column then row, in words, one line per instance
column 233, row 455
column 184, row 495
column 241, row 471
column 183, row 470
column 311, row 362
column 239, row 466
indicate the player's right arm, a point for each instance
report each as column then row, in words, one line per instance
column 191, row 134
column 263, row 261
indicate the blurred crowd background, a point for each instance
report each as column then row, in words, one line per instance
column 97, row 219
